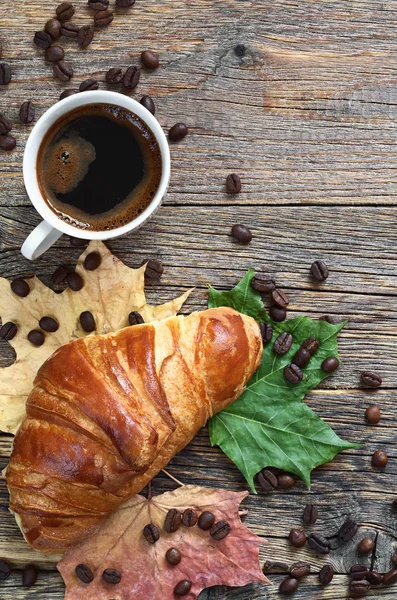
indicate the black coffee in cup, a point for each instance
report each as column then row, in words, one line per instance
column 99, row 167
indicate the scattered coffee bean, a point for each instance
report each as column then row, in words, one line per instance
column 114, row 76
column 372, row 414
column 67, row 93
column 319, row 543
column 8, row 331
column 59, row 275
column 329, row 319
column 283, row 343
column 4, row 570
column 299, row 569
column 70, row 30
column 125, row 3
column 54, row 54
column 206, row 520
column 374, row 578
column 65, row 11
column 36, row 337
column 359, row 589
column 88, row 85
column 241, row 233
column 49, row 324
column 150, row 60
column 358, row 572
column 371, row 380
column 379, row 459
column 131, row 78
column 135, row 318
column 301, row 358
column 178, row 132
column 326, row 574
column 85, row 36
column 53, row 28
column 26, row 112
column 330, row 364
column 263, row 283
column 293, row 374
column 280, row 298
column 220, row 530
column 154, row 269
column 274, row 565
column 183, row 587
column 7, row 142
column 266, row 332
column 311, row 344
column 5, row 74
column 297, row 538
column 87, row 321
column 189, row 517
column 103, row 18
column 20, row 287
column 394, row 557
column 348, row 530
column 84, row 573
column 98, row 4
column 148, row 103
column 173, row 556
column 286, row 481
column 63, row 70
column 77, row 242
column 5, row 125
column 310, row 514
column 111, row 576
column 233, row 184
column 288, row 586
column 365, row 546
column 277, row 314
column 74, row 280
column 151, row 533
column 173, row 520
column 92, row 261
column 267, row 480
column 29, row 576
column 390, row 578
column 319, row 270
column 42, row 40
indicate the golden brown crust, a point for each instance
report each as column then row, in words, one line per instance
column 108, row 412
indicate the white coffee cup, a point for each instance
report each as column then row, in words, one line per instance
column 52, row 227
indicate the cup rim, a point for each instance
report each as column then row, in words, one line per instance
column 49, row 118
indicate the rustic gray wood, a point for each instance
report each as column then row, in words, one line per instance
column 300, row 99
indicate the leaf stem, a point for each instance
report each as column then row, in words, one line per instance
column 173, row 478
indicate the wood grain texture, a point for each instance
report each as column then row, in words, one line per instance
column 300, row 98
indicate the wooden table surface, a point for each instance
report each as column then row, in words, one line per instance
column 300, row 99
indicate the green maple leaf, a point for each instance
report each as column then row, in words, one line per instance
column 270, row 425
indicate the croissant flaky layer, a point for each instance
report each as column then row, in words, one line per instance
column 108, row 412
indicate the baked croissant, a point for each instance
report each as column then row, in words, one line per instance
column 108, row 412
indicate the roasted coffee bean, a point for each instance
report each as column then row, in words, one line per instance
column 301, row 358
column 125, row 3
column 103, row 18
column 390, row 578
column 36, row 337
column 70, row 30
column 178, row 132
column 87, row 321
column 277, row 314
column 29, row 576
column 4, row 570
column 154, row 269
column 42, row 39
column 5, row 74
column 372, row 414
column 5, row 125
column 8, row 331
column 148, row 103
column 311, row 344
column 330, row 364
column 293, row 374
column 394, row 557
column 310, row 514
column 379, row 459
column 53, row 28
column 266, row 332
column 54, row 54
column 283, row 343
column 233, row 184
column 26, row 112
column 319, row 543
column 77, row 242
column 285, row 481
column 85, row 36
column 359, row 589
column 241, row 233
column 75, row 281
column 267, row 480
column 7, row 142
column 150, row 60
column 358, row 572
column 329, row 319
column 98, row 4
column 63, row 70
column 348, row 530
column 173, row 556
column 374, row 578
column 114, row 76
column 59, row 275
column 326, row 574
column 371, row 380
column 151, row 533
column 297, row 538
column 274, row 565
column 20, row 287
column 135, row 318
column 183, row 587
column 92, row 261
column 319, row 270
column 131, row 78
column 65, row 11
column 220, row 530
column 366, row 546
column 299, row 569
column 189, row 517
column 280, row 298
column 49, row 324
column 67, row 93
column 173, row 520
column 263, row 283
column 288, row 586
column 206, row 520
column 111, row 576
column 88, row 85
column 84, row 573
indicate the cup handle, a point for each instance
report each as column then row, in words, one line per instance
column 39, row 240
